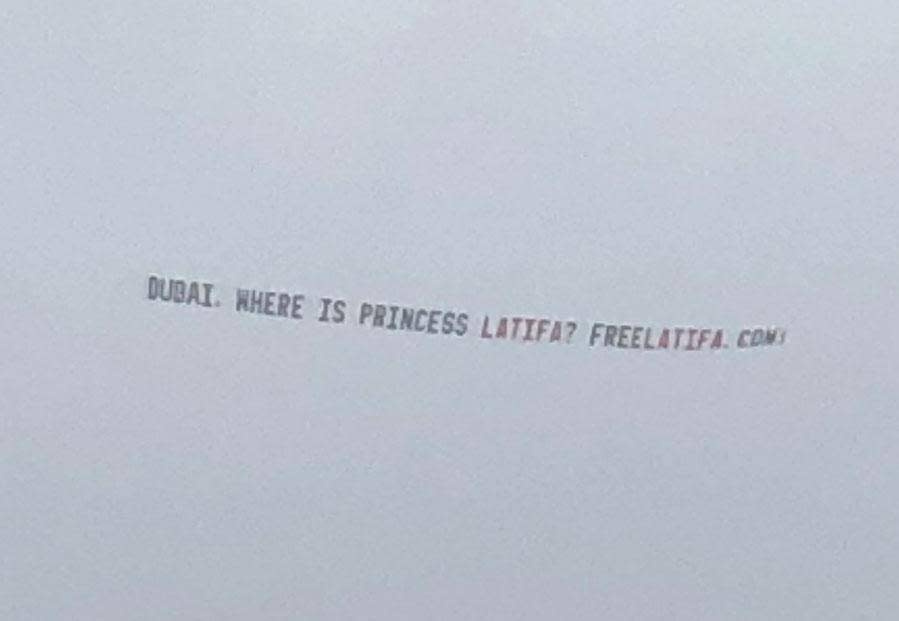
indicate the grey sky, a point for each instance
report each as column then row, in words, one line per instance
column 666, row 164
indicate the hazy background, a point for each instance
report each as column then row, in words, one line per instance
column 667, row 163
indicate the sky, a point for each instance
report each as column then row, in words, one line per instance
column 664, row 164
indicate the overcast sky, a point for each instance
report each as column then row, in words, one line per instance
column 692, row 163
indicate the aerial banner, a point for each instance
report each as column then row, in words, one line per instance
column 461, row 323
